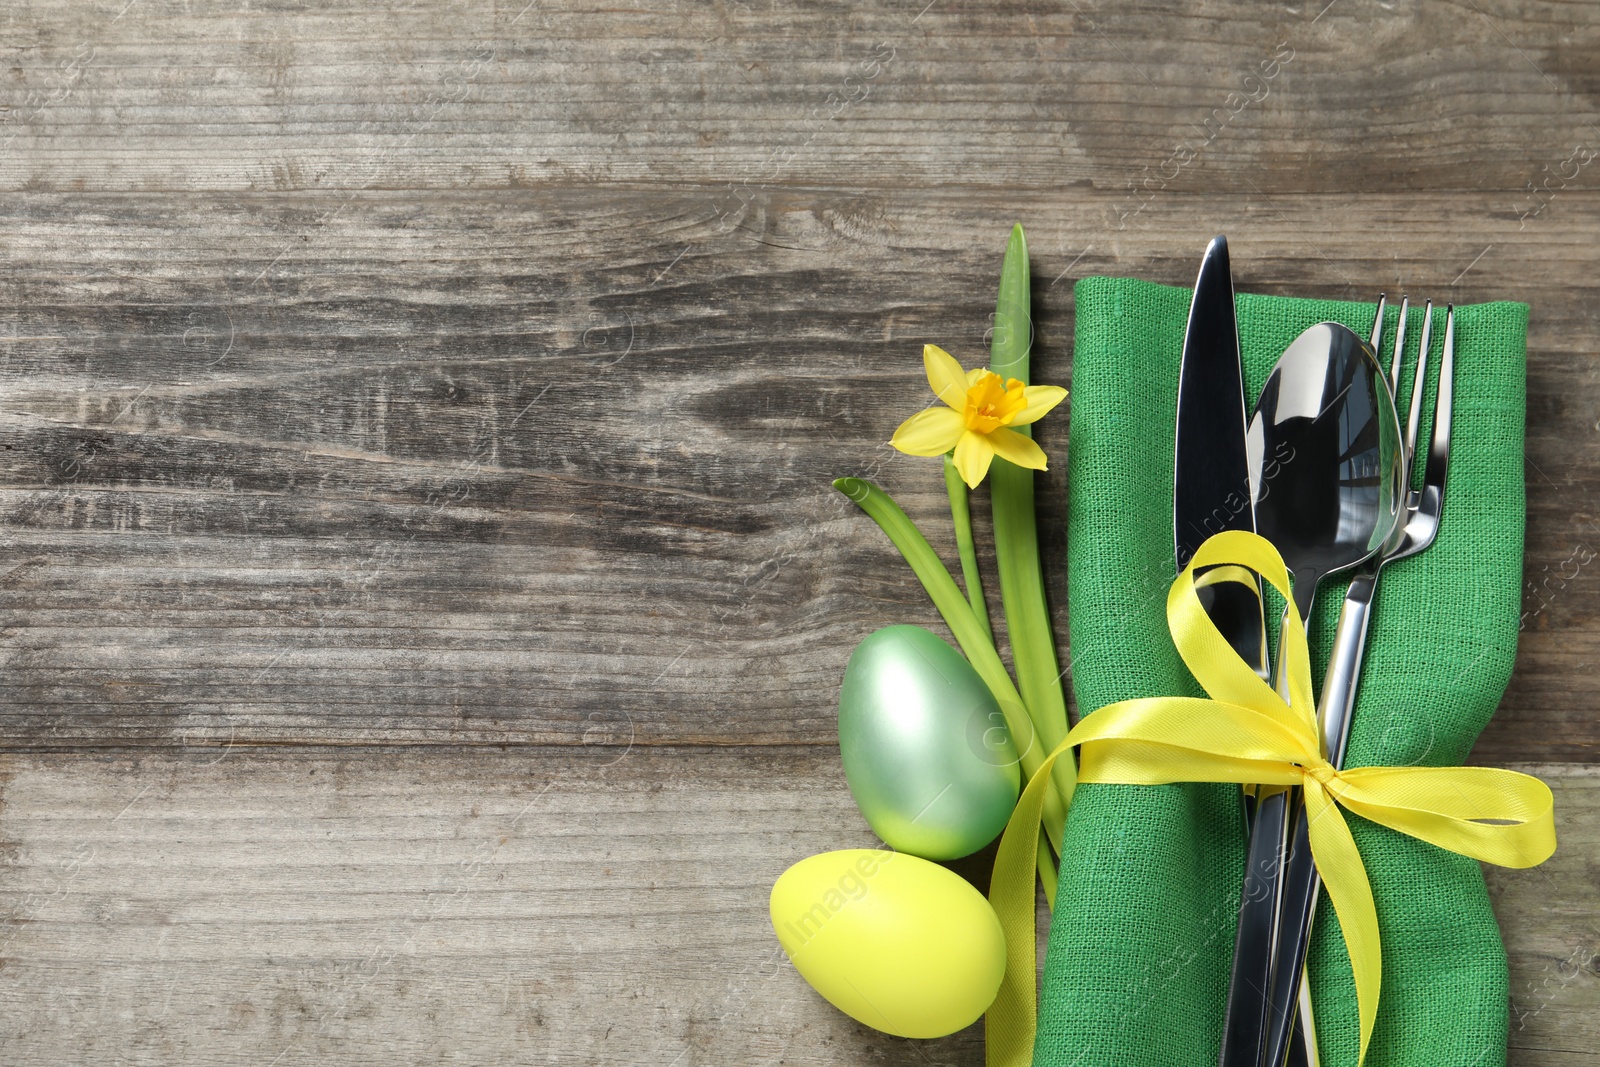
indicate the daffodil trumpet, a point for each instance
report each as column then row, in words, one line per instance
column 1245, row 732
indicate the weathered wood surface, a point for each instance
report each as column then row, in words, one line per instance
column 598, row 906
column 460, row 384
column 548, row 905
column 154, row 94
column 504, row 467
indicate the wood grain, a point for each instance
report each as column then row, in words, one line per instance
column 597, row 906
column 422, row 603
column 1165, row 98
column 369, row 907
column 1548, row 917
column 506, row 468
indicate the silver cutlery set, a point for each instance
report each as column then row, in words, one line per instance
column 1321, row 469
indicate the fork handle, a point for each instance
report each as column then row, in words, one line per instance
column 1301, row 881
column 1337, row 705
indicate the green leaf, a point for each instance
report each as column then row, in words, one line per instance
column 1016, row 532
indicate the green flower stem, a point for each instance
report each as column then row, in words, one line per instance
column 958, row 615
column 961, row 518
column 1016, row 536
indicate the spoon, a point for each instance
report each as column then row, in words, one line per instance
column 1326, row 474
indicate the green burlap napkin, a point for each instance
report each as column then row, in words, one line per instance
column 1142, row 937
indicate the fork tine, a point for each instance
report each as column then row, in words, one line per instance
column 1417, row 383
column 1399, row 344
column 1443, row 407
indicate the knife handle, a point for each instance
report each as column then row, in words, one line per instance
column 1244, row 1026
column 1245, row 1022
column 1301, row 886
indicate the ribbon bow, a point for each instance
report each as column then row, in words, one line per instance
column 1245, row 732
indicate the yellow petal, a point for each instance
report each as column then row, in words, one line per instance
column 945, row 376
column 974, row 453
column 974, row 374
column 1040, row 399
column 931, row 432
column 1011, row 445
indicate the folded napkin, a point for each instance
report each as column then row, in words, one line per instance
column 1142, row 937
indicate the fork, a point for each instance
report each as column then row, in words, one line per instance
column 1337, row 701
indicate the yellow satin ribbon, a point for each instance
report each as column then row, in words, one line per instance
column 1247, row 733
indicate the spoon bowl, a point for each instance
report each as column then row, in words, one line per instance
column 1326, row 463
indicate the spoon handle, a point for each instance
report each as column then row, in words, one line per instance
column 1301, row 881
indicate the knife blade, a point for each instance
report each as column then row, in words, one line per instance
column 1211, row 475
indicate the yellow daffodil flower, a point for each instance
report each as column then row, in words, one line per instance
column 981, row 408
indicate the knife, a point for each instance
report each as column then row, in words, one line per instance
column 1211, row 493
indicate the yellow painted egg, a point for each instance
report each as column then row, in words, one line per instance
column 893, row 941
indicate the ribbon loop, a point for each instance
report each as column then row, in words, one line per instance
column 1245, row 732
column 1199, row 642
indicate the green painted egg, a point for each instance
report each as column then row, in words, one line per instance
column 925, row 747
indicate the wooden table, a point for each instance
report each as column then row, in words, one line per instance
column 423, row 600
